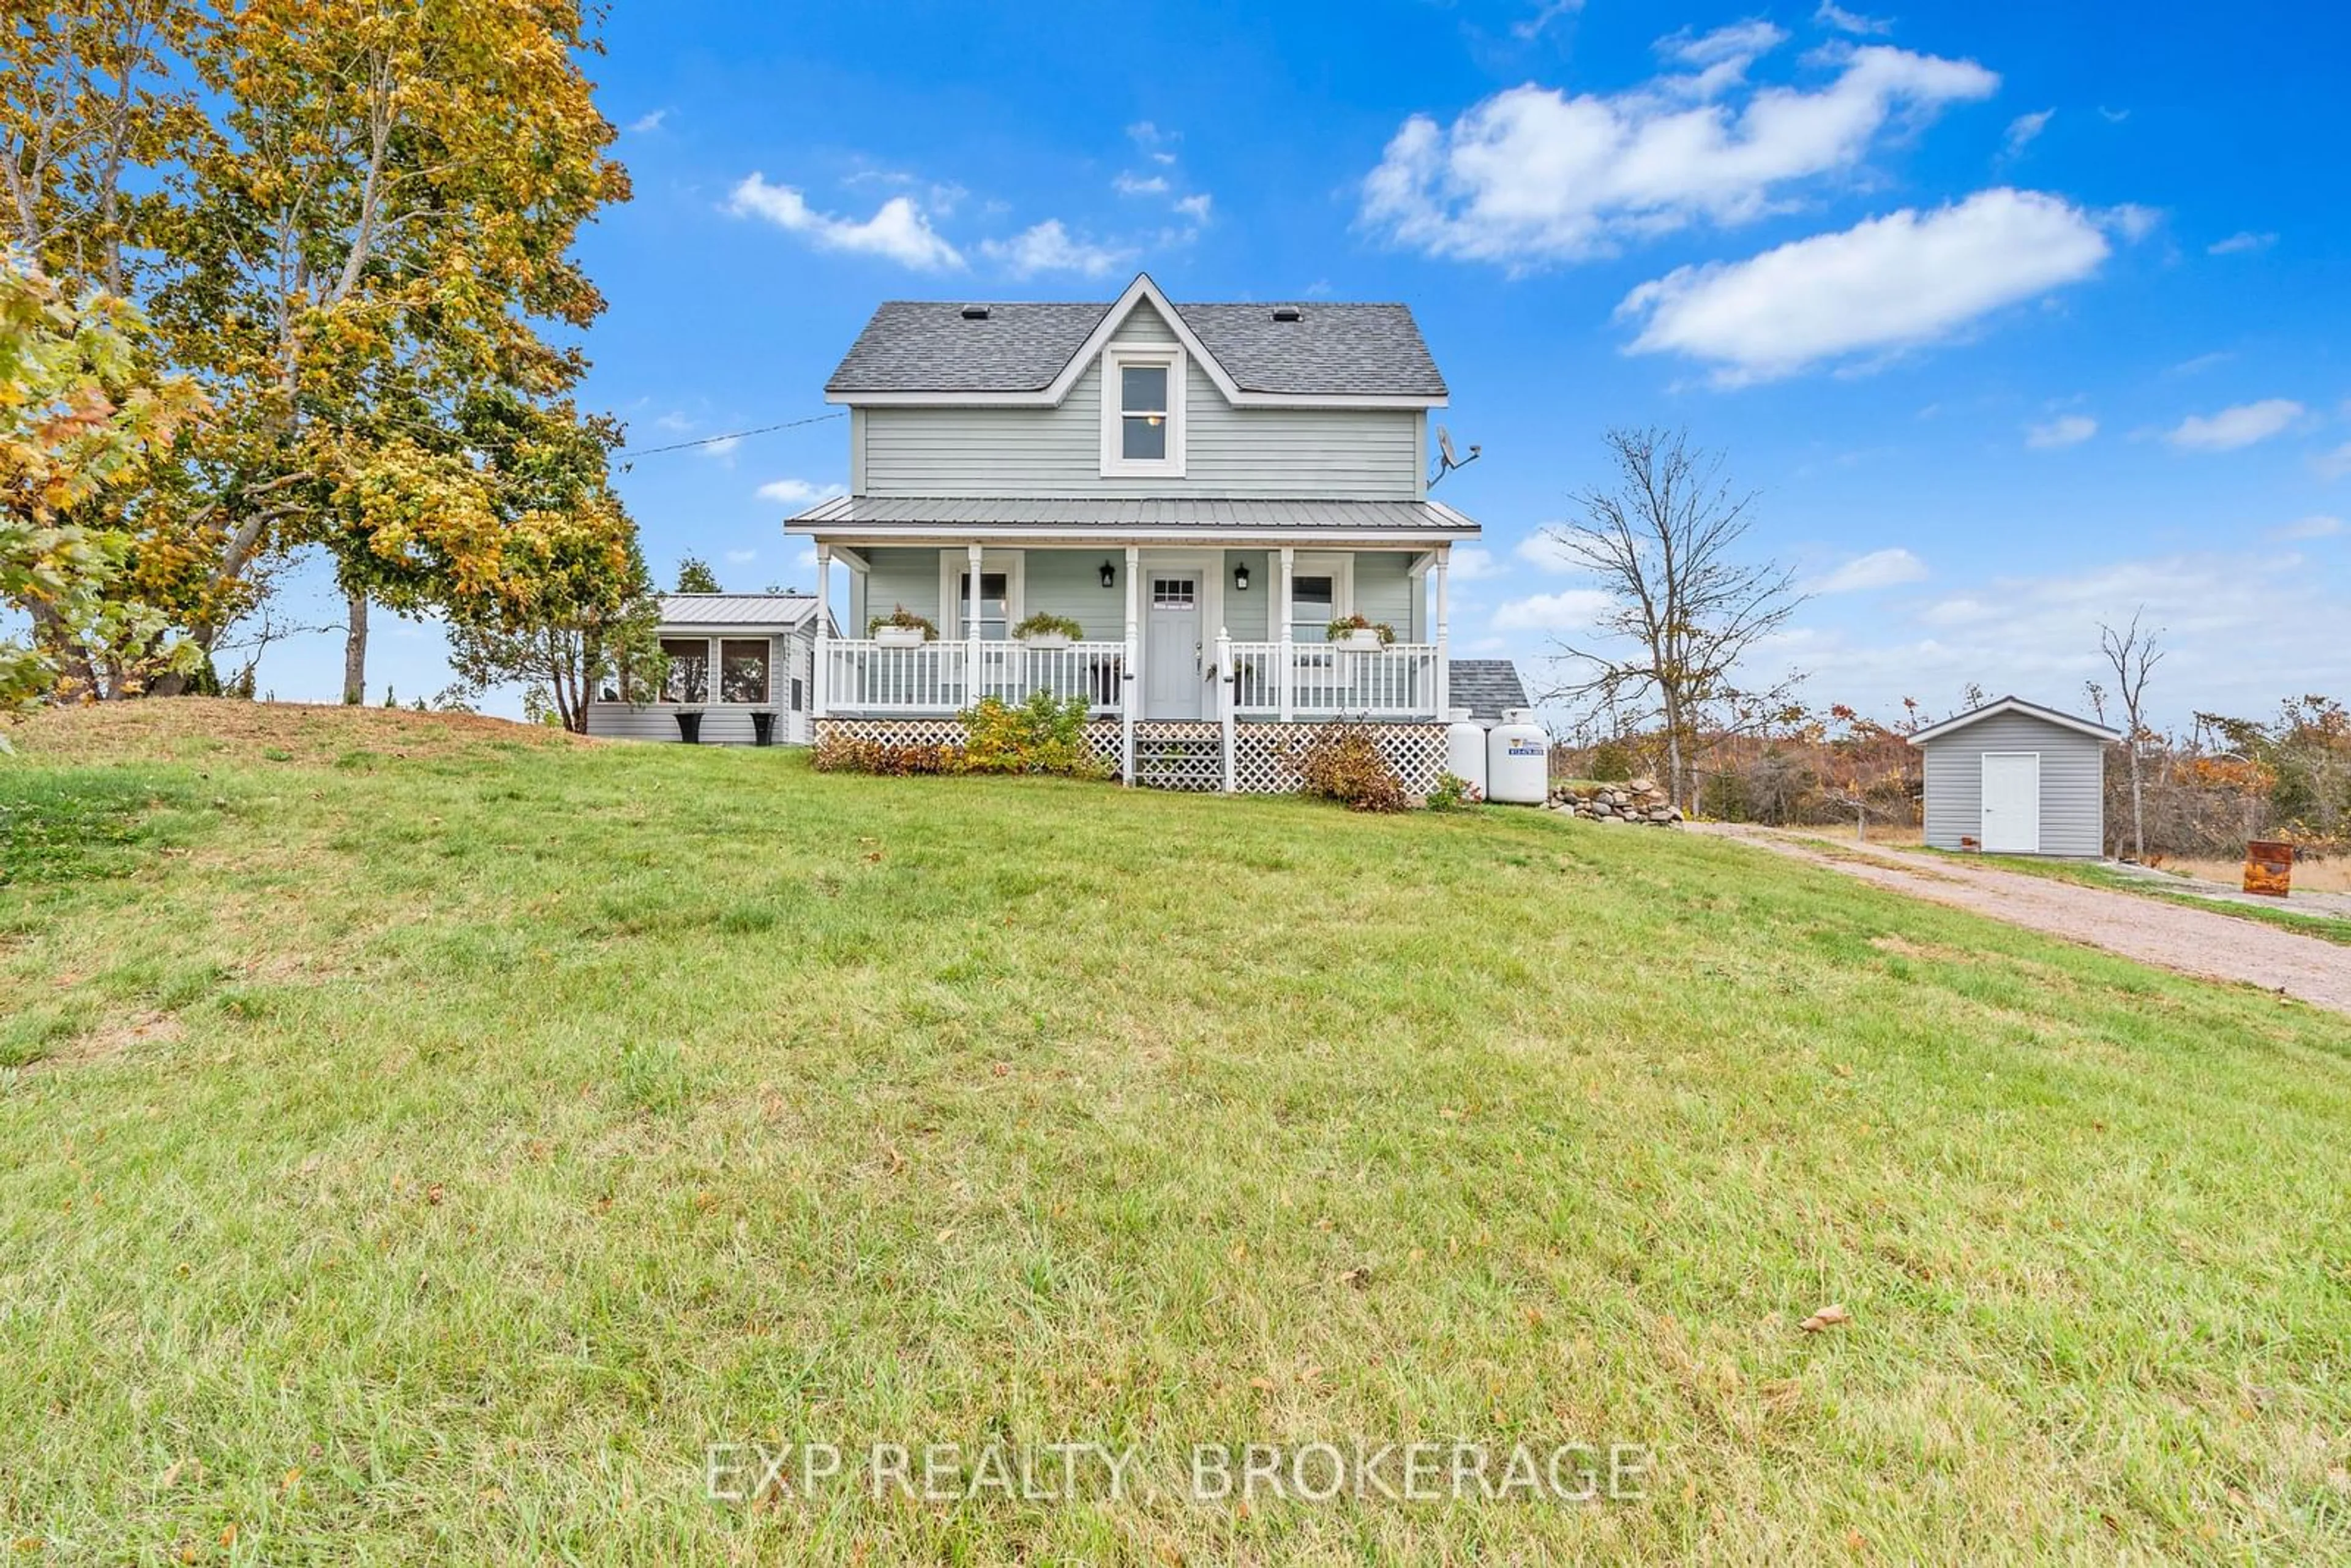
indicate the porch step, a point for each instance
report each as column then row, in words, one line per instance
column 1185, row 762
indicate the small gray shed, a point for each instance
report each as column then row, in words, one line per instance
column 2016, row 778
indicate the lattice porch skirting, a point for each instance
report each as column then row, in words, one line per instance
column 1265, row 756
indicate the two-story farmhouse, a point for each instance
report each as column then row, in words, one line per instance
column 1201, row 490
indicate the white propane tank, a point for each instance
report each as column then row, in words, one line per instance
column 1518, row 760
column 1465, row 747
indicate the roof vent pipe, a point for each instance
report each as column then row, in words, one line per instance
column 975, row 312
column 1285, row 312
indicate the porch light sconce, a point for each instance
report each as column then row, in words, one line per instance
column 1241, row 579
column 1109, row 575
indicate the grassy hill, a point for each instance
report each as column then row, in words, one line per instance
column 423, row 1137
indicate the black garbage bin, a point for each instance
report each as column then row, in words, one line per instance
column 689, row 726
column 763, row 728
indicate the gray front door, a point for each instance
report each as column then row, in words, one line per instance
column 1172, row 682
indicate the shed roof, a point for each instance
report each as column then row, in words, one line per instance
column 1485, row 686
column 782, row 610
column 1325, row 348
column 1951, row 726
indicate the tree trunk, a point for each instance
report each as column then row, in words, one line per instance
column 355, row 650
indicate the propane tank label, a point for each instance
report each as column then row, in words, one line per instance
column 1526, row 751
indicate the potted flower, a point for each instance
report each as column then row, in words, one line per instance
column 1043, row 630
column 902, row 628
column 1359, row 632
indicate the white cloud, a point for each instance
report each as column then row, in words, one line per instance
column 1893, row 282
column 674, row 422
column 2130, row 219
column 2234, row 427
column 1719, row 58
column 2065, row 430
column 1545, row 553
column 1879, row 568
column 2023, row 129
column 741, row 557
column 1532, row 174
column 2332, row 465
column 1047, row 247
column 719, row 446
column 1472, row 563
column 1569, row 610
column 795, row 492
column 1530, row 28
column 2311, row 528
column 1130, row 184
column 2240, row 243
column 1196, row 207
column 2238, row 631
column 897, row 230
column 1832, row 14
column 647, row 122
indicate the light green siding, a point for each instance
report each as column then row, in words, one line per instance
column 1350, row 453
column 901, row 576
column 1383, row 589
column 1069, row 583
column 1249, row 615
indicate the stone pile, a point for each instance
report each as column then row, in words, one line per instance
column 1637, row 800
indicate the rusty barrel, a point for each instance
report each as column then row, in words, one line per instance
column 2269, row 867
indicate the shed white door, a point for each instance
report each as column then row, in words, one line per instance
column 2012, row 802
column 1171, row 649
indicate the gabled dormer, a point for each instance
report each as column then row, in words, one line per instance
column 1139, row 397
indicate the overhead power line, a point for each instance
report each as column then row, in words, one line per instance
column 730, row 435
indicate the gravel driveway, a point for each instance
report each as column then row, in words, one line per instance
column 2152, row 930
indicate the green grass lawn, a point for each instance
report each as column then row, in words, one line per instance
column 420, row 1146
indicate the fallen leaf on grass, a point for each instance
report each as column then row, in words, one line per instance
column 1827, row 1317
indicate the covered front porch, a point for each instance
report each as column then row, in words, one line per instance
column 1165, row 633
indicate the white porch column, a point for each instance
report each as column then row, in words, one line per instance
column 821, row 678
column 1283, row 663
column 1225, row 701
column 1444, row 659
column 973, row 554
column 1131, row 696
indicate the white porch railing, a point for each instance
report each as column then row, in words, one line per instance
column 864, row 676
column 1322, row 680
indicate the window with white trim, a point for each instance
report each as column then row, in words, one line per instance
column 1142, row 411
column 743, row 670
column 689, row 669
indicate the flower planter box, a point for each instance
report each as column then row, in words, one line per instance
column 1363, row 640
column 899, row 636
column 1047, row 639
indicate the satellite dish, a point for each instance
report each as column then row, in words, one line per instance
column 1446, row 461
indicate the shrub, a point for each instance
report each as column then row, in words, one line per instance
column 1043, row 625
column 848, row 754
column 1612, row 762
column 1343, row 763
column 901, row 616
column 1346, row 623
column 1039, row 735
column 1454, row 793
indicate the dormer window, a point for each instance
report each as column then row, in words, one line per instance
column 1142, row 411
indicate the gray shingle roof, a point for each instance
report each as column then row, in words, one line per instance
column 1332, row 350
column 736, row 609
column 1485, row 686
column 1093, row 516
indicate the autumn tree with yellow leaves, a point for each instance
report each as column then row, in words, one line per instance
column 348, row 221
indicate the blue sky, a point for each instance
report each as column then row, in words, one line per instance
column 2016, row 316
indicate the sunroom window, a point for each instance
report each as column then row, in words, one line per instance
column 689, row 669
column 743, row 670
